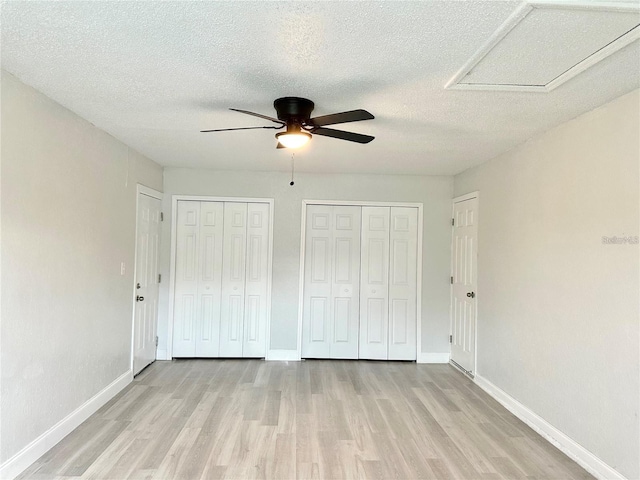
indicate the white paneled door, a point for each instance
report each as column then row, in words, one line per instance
column 332, row 279
column 221, row 279
column 256, row 282
column 186, row 279
column 388, row 289
column 146, row 305
column 360, row 283
column 464, row 283
column 374, row 284
column 403, row 294
column 208, row 270
column 233, row 266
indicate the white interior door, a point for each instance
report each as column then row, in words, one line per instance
column 233, row 279
column 403, row 277
column 186, row 278
column 256, row 281
column 209, row 276
column 317, row 282
column 374, row 284
column 463, row 296
column 345, row 290
column 360, row 282
column 146, row 307
column 332, row 280
column 221, row 279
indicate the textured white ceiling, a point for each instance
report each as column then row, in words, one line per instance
column 155, row 73
column 547, row 43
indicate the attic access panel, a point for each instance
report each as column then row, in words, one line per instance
column 544, row 44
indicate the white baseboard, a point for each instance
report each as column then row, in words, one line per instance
column 433, row 357
column 41, row 445
column 283, row 355
column 568, row 446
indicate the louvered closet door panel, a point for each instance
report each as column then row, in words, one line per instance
column 207, row 334
column 345, row 288
column 233, row 279
column 403, row 248
column 317, row 282
column 186, row 279
column 374, row 283
column 256, row 280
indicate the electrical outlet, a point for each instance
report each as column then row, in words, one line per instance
column 122, row 268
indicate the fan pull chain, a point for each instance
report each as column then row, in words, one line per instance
column 292, row 168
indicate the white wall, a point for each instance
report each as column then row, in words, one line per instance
column 558, row 311
column 68, row 220
column 434, row 192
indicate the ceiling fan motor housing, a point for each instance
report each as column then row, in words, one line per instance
column 293, row 110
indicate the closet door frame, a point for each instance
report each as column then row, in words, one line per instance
column 172, row 266
column 303, row 225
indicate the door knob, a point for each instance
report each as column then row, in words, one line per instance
column 139, row 298
column 471, row 295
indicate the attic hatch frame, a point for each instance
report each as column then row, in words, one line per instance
column 518, row 16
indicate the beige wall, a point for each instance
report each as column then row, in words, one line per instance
column 68, row 221
column 434, row 192
column 558, row 311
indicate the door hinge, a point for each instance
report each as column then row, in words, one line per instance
column 156, row 340
column 159, row 278
column 453, row 221
column 450, row 339
column 451, row 280
column 161, row 216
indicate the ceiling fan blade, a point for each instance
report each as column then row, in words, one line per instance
column 259, row 115
column 241, row 128
column 343, row 117
column 342, row 135
column 280, row 145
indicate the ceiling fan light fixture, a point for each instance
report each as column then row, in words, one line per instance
column 293, row 139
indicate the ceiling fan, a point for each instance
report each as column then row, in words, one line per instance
column 294, row 113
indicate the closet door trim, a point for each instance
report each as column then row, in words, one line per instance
column 303, row 224
column 172, row 281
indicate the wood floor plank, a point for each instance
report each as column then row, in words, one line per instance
column 250, row 419
column 110, row 456
column 177, row 455
column 283, row 463
column 271, row 408
column 93, row 449
column 160, row 445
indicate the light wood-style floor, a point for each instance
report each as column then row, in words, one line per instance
column 243, row 419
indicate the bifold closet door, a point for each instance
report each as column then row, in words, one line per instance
column 403, row 294
column 186, row 275
column 332, row 279
column 388, row 288
column 221, row 279
column 243, row 318
column 374, row 284
column 233, row 275
column 197, row 279
column 209, row 279
column 256, row 281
